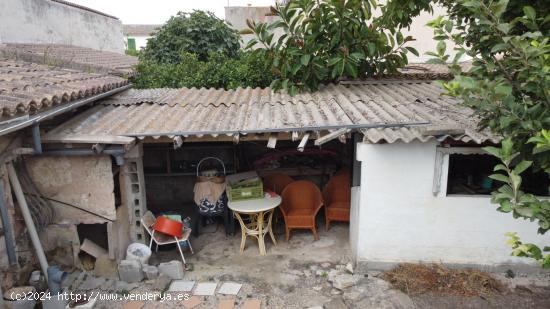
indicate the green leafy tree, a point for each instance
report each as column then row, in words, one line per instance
column 508, row 87
column 218, row 71
column 324, row 41
column 199, row 32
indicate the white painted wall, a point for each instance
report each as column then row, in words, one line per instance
column 42, row 21
column 399, row 219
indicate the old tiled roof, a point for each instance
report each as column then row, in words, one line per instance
column 27, row 88
column 74, row 57
column 139, row 30
column 78, row 6
column 198, row 112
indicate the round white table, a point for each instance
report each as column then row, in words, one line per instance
column 257, row 210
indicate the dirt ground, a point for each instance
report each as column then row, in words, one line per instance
column 303, row 273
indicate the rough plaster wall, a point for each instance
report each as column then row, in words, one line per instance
column 401, row 221
column 41, row 21
column 237, row 16
column 86, row 182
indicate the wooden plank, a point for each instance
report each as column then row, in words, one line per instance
column 303, row 142
column 272, row 141
column 178, row 141
column 327, row 138
column 87, row 139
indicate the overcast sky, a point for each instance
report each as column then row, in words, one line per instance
column 158, row 11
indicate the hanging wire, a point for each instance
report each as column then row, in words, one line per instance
column 41, row 209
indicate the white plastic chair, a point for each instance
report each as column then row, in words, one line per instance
column 148, row 220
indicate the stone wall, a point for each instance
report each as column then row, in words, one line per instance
column 85, row 182
column 43, row 21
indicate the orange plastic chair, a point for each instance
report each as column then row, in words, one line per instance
column 301, row 202
column 277, row 182
column 337, row 195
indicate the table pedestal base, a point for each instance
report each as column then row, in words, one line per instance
column 256, row 227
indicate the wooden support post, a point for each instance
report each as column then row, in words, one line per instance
column 303, row 142
column 236, row 138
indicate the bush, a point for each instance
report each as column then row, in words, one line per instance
column 199, row 32
column 218, row 71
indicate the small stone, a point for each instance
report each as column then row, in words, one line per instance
column 316, row 307
column 335, row 292
column 349, row 268
column 344, row 281
column 313, row 267
column 307, row 273
column 332, row 274
column 317, row 288
column 325, row 265
column 336, row 303
column 162, row 283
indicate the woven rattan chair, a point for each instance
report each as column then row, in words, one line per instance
column 301, row 202
column 277, row 182
column 337, row 196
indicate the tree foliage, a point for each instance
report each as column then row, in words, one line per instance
column 199, row 32
column 508, row 88
column 323, row 41
column 218, row 71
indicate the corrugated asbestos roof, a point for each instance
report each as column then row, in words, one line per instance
column 186, row 112
column 73, row 57
column 139, row 30
column 27, row 88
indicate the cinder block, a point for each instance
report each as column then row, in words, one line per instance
column 173, row 269
column 150, row 272
column 130, row 271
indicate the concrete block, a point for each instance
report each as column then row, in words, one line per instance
column 173, row 269
column 130, row 271
column 150, row 272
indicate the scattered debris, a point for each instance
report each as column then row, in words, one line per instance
column 419, row 278
column 336, row 303
column 151, row 272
